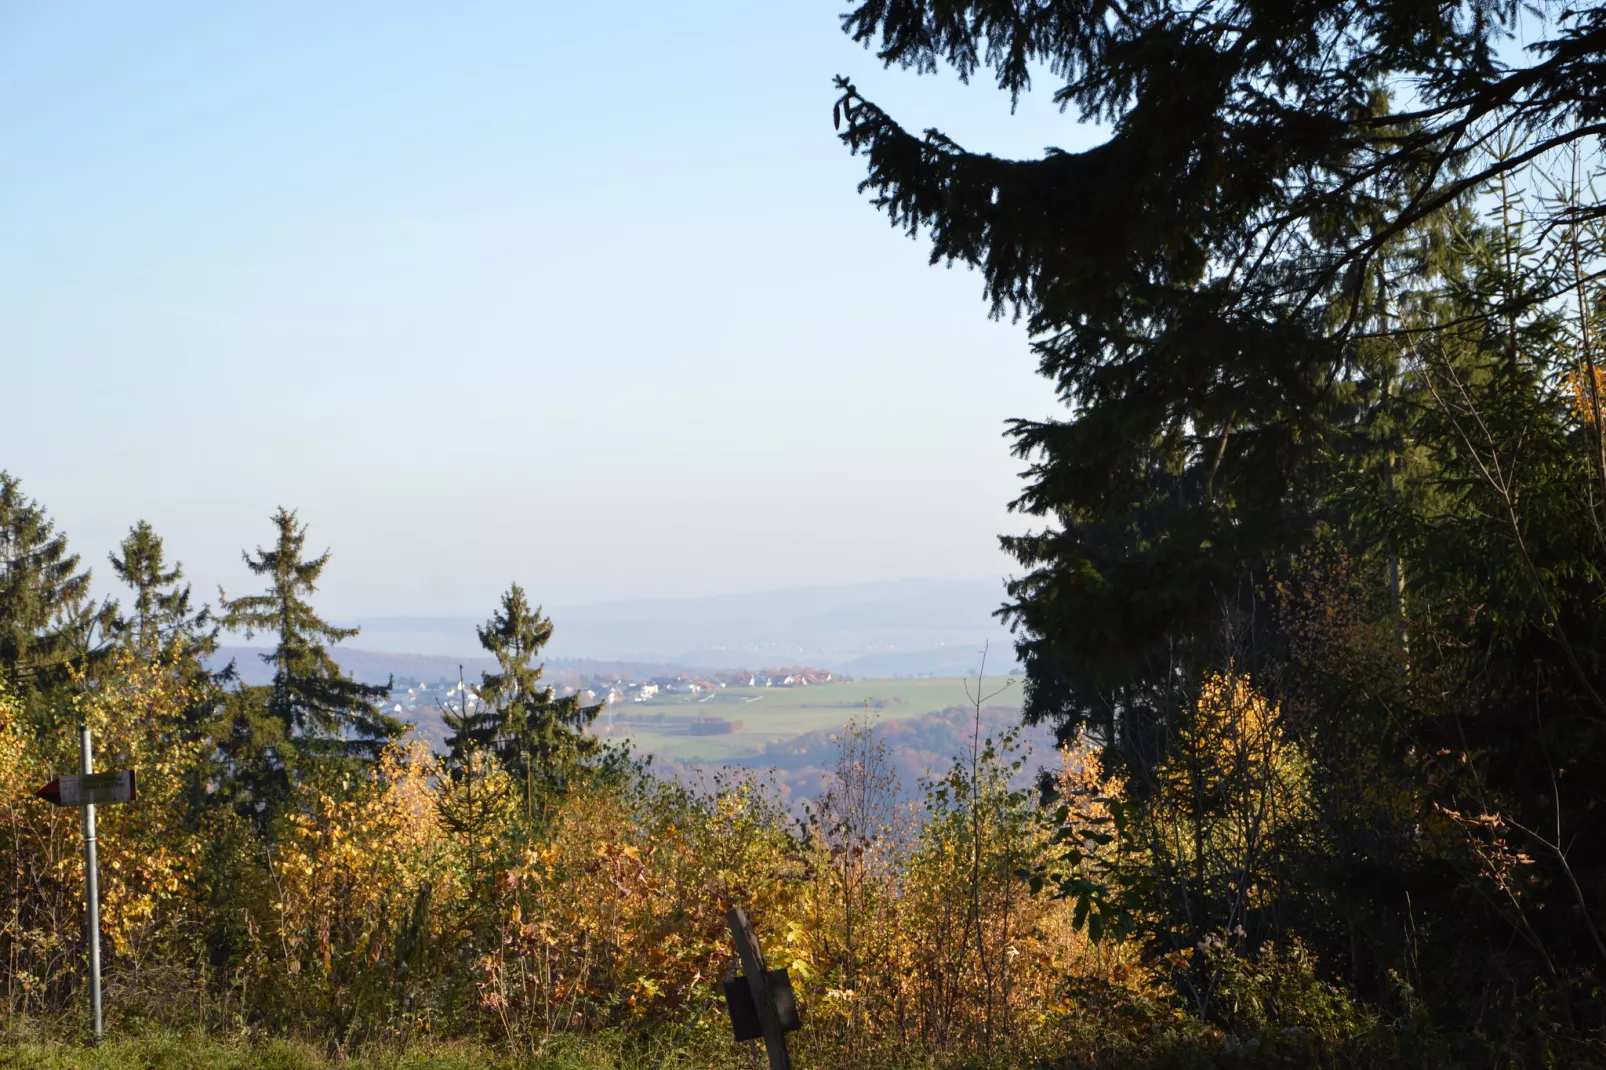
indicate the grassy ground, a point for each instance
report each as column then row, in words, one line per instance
column 176, row 1052
column 189, row 1053
column 663, row 726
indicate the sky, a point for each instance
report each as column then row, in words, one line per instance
column 582, row 296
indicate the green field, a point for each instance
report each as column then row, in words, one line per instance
column 663, row 726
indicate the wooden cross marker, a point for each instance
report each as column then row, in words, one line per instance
column 761, row 983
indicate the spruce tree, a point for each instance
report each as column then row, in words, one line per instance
column 1203, row 286
column 1274, row 324
column 539, row 738
column 471, row 726
column 48, row 622
column 310, row 710
column 162, row 613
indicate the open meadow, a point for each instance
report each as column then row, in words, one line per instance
column 678, row 727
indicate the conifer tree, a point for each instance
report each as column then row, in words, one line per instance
column 47, row 618
column 1276, row 323
column 539, row 738
column 161, row 613
column 1200, row 285
column 470, row 727
column 311, row 710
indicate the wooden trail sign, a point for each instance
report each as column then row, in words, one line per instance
column 92, row 789
column 768, row 995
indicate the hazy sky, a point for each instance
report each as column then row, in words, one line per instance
column 579, row 295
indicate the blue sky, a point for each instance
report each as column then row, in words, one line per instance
column 580, row 295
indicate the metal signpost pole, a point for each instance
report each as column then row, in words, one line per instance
column 86, row 789
column 92, row 877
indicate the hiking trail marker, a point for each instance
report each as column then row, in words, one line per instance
column 91, row 790
column 759, row 1000
column 86, row 790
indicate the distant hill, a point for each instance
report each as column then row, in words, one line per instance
column 908, row 628
column 788, row 734
column 904, row 627
column 375, row 667
column 801, row 766
column 965, row 660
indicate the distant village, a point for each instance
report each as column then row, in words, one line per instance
column 612, row 690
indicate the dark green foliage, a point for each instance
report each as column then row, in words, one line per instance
column 468, row 729
column 1314, row 346
column 162, row 614
column 1193, row 280
column 165, row 627
column 311, row 710
column 539, row 738
column 48, row 622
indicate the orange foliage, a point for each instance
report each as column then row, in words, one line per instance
column 1587, row 386
column 394, row 901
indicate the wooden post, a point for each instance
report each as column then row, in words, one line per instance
column 757, row 980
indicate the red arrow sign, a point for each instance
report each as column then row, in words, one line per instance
column 90, row 789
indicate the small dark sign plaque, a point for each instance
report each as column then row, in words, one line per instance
column 744, row 1013
column 739, row 1005
column 768, row 1010
column 785, row 1000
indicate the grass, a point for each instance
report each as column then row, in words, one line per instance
column 1184, row 1046
column 197, row 1053
column 663, row 725
column 173, row 1051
